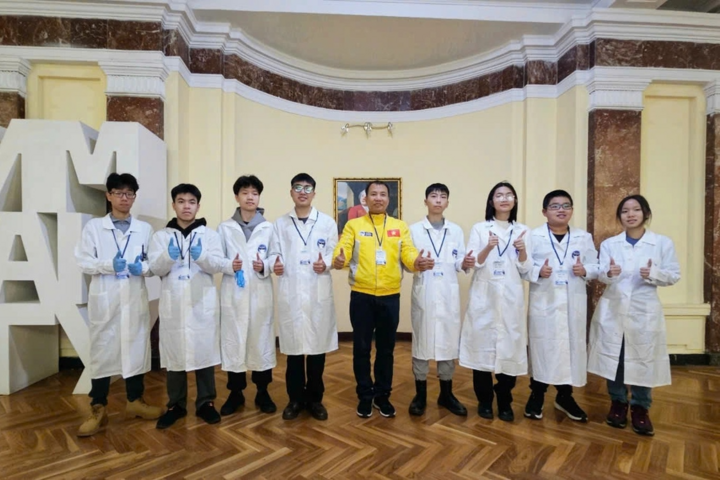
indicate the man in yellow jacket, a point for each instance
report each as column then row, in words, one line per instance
column 375, row 247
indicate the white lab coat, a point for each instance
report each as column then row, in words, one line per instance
column 494, row 333
column 630, row 308
column 118, row 309
column 189, row 313
column 248, row 333
column 306, row 310
column 557, row 312
column 435, row 311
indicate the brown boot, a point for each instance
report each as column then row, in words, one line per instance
column 139, row 408
column 96, row 422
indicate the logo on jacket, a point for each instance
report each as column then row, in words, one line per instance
column 394, row 233
column 366, row 234
column 454, row 253
column 576, row 254
column 321, row 243
column 262, row 248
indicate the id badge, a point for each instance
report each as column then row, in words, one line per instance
column 184, row 273
column 498, row 269
column 122, row 275
column 380, row 257
column 305, row 257
column 437, row 269
column 561, row 278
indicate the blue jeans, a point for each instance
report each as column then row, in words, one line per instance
column 618, row 391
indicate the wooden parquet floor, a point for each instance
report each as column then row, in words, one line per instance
column 37, row 435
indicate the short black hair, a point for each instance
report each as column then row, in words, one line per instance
column 555, row 194
column 437, row 187
column 644, row 205
column 120, row 181
column 186, row 188
column 490, row 208
column 248, row 181
column 376, row 182
column 302, row 177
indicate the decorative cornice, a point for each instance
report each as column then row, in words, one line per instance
column 129, row 78
column 712, row 97
column 616, row 91
column 13, row 75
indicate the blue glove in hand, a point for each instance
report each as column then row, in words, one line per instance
column 119, row 263
column 196, row 250
column 173, row 251
column 136, row 268
column 240, row 278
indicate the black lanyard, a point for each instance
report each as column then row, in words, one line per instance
column 553, row 245
column 127, row 242
column 376, row 232
column 182, row 256
column 311, row 228
column 437, row 252
column 500, row 254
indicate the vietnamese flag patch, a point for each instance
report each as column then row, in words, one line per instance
column 393, row 233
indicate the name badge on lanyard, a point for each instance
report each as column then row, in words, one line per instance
column 498, row 268
column 437, row 269
column 305, row 252
column 125, row 274
column 561, row 275
column 305, row 256
column 380, row 257
column 184, row 272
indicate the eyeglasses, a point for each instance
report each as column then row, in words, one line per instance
column 506, row 196
column 129, row 195
column 303, row 188
column 558, row 206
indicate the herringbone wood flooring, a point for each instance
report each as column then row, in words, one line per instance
column 37, row 435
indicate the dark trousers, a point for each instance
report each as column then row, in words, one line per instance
column 540, row 388
column 379, row 315
column 298, row 388
column 237, row 381
column 177, row 387
column 483, row 385
column 134, row 386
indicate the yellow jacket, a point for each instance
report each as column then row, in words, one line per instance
column 361, row 239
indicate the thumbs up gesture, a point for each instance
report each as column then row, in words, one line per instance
column 278, row 267
column 578, row 268
column 519, row 243
column 136, row 268
column 645, row 271
column 546, row 270
column 339, row 261
column 258, row 264
column 615, row 270
column 196, row 250
column 493, row 241
column 173, row 250
column 237, row 263
column 468, row 261
column 422, row 263
column 319, row 265
column 119, row 263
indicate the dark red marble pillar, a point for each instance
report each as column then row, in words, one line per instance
column 148, row 112
column 712, row 237
column 12, row 105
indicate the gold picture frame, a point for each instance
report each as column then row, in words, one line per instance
column 347, row 201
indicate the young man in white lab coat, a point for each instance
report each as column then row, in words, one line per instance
column 248, row 334
column 112, row 251
column 301, row 255
column 564, row 260
column 435, row 309
column 186, row 254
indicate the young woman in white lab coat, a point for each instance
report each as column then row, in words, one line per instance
column 494, row 333
column 627, row 334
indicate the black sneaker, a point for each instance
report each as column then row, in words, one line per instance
column 318, row 411
column 233, row 402
column 534, row 406
column 384, row 407
column 263, row 400
column 505, row 413
column 292, row 410
column 364, row 408
column 170, row 417
column 208, row 413
column 566, row 403
column 485, row 410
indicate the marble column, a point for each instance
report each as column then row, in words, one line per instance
column 712, row 222
column 13, row 84
column 614, row 123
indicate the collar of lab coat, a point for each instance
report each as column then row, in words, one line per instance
column 545, row 232
column 108, row 224
column 428, row 226
column 649, row 238
column 234, row 225
column 313, row 216
column 500, row 232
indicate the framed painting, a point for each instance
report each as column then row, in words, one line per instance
column 349, row 198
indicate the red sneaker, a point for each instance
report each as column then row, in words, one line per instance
column 641, row 421
column 617, row 417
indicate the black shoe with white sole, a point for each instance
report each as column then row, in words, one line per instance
column 384, row 407
column 567, row 405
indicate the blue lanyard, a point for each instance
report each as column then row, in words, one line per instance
column 182, row 256
column 553, row 245
column 500, row 254
column 127, row 242
column 376, row 232
column 311, row 228
column 437, row 252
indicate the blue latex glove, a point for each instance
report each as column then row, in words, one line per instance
column 196, row 250
column 136, row 268
column 240, row 278
column 173, row 251
column 119, row 263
